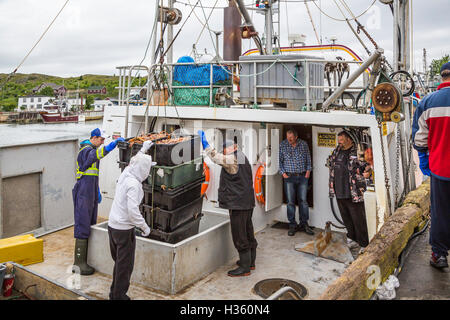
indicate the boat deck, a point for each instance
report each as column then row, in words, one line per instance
column 276, row 258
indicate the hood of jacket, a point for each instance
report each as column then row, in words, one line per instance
column 86, row 142
column 138, row 168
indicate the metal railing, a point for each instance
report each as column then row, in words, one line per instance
column 231, row 68
column 284, row 290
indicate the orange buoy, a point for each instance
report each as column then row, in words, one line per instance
column 258, row 185
column 207, row 177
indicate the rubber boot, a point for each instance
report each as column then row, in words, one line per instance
column 244, row 265
column 252, row 261
column 81, row 246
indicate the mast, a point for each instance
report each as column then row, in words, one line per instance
column 269, row 27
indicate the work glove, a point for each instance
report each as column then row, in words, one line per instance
column 205, row 143
column 424, row 163
column 146, row 232
column 110, row 147
column 99, row 196
column 146, row 146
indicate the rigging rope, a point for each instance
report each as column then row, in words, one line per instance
column 312, row 22
column 343, row 20
column 37, row 42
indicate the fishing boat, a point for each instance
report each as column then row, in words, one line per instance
column 253, row 98
column 58, row 117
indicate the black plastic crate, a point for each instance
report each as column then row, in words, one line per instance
column 170, row 220
column 178, row 153
column 185, row 231
column 166, row 154
column 172, row 199
column 125, row 152
column 122, row 165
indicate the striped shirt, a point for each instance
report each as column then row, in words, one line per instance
column 294, row 159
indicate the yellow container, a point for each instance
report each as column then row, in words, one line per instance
column 24, row 250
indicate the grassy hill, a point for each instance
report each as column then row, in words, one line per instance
column 22, row 84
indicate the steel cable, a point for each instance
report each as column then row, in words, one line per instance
column 341, row 20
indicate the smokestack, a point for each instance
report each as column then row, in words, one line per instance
column 232, row 41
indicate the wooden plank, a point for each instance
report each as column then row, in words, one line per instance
column 381, row 255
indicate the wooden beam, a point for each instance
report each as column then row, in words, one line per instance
column 383, row 251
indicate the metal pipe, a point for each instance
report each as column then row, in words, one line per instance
column 378, row 53
column 170, row 36
column 244, row 13
column 269, row 27
column 254, row 83
column 396, row 47
column 307, row 86
column 155, row 30
column 372, row 80
column 210, row 84
column 282, row 291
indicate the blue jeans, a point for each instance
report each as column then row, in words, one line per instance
column 297, row 187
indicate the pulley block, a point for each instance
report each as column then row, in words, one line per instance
column 171, row 16
column 386, row 97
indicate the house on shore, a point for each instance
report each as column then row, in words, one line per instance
column 58, row 90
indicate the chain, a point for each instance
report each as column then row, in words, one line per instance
column 397, row 165
column 386, row 178
column 361, row 27
column 387, row 64
column 410, row 164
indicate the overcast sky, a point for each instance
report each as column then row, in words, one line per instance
column 95, row 36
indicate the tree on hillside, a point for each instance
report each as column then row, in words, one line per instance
column 47, row 91
column 89, row 102
column 436, row 65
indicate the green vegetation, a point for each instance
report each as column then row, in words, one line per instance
column 89, row 102
column 22, row 84
column 47, row 91
column 436, row 64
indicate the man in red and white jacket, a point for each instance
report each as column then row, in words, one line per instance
column 431, row 136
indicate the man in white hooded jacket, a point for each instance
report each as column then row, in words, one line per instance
column 124, row 217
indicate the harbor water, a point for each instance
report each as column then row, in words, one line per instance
column 12, row 134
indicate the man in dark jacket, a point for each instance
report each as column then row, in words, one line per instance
column 431, row 136
column 86, row 194
column 237, row 195
column 347, row 183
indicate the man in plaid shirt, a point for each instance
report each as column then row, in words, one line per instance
column 295, row 167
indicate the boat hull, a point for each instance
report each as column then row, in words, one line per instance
column 58, row 118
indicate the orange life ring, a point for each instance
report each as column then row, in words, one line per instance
column 258, row 185
column 207, row 177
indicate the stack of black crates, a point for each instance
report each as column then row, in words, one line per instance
column 172, row 204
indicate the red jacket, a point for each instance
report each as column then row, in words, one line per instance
column 431, row 130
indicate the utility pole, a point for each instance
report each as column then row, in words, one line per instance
column 425, row 71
